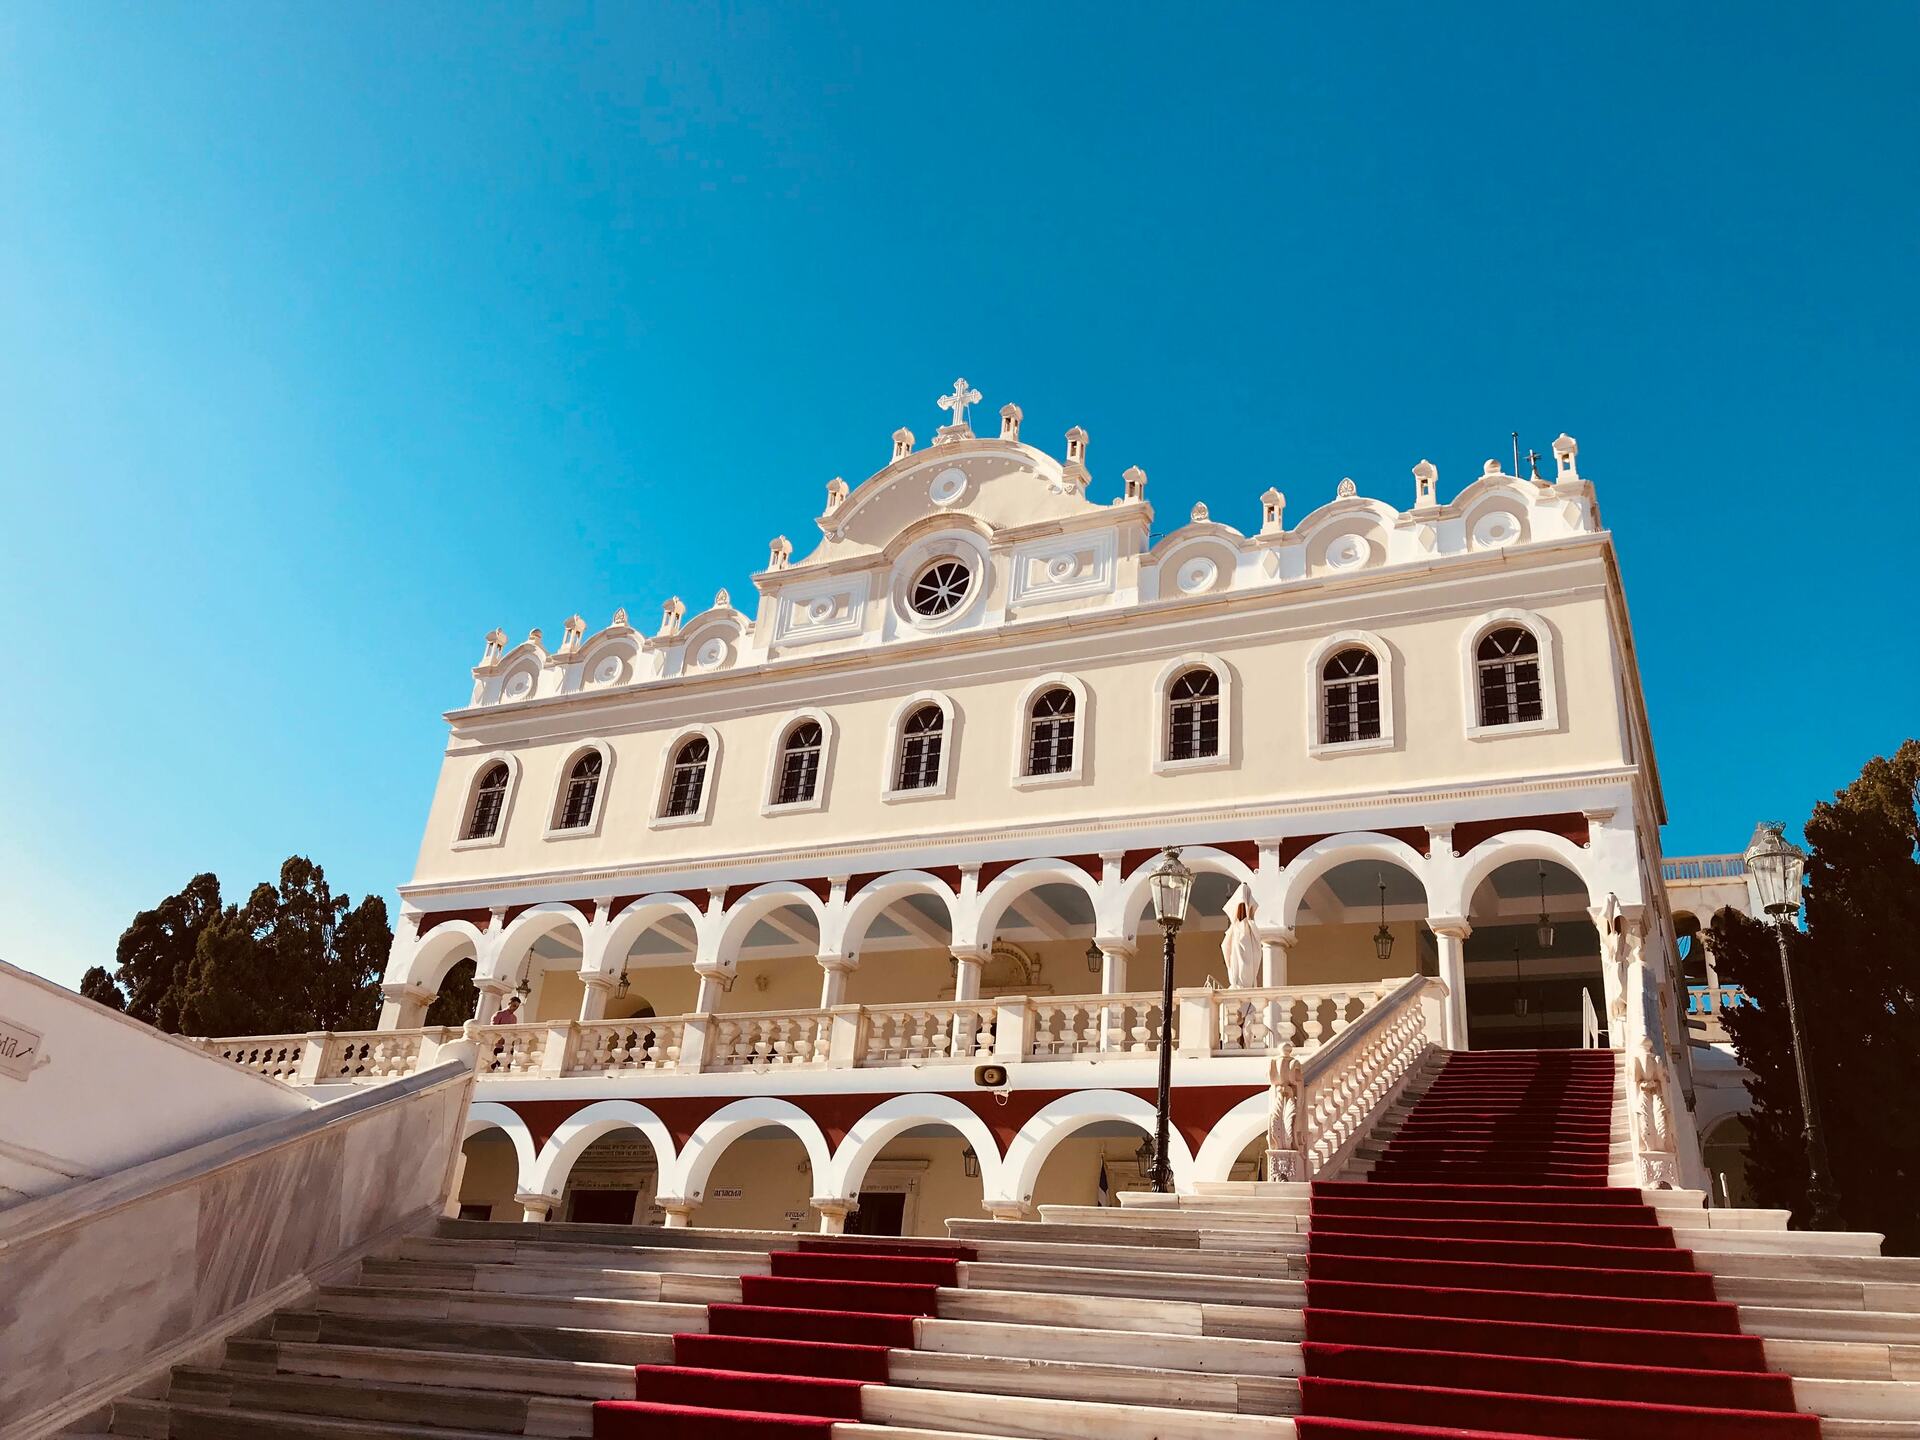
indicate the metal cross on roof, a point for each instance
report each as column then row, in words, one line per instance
column 959, row 400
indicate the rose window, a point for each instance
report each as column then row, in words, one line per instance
column 940, row 588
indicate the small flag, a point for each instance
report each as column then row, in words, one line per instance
column 1105, row 1197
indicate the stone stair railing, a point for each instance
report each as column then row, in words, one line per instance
column 1008, row 1029
column 1325, row 1104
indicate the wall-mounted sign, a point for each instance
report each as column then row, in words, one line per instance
column 19, row 1050
column 728, row 1192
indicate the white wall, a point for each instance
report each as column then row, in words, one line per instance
column 106, row 1092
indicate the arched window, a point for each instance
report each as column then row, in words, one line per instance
column 800, row 764
column 1193, row 716
column 583, row 788
column 920, row 744
column 488, row 800
column 1350, row 697
column 689, row 777
column 1050, row 733
column 1508, row 661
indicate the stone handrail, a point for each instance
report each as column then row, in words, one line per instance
column 1704, row 867
column 117, row 1279
column 1010, row 1029
column 1325, row 1104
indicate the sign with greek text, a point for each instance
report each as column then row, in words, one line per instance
column 19, row 1050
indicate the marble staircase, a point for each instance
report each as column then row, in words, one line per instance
column 1174, row 1319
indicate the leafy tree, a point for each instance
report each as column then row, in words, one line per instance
column 458, row 997
column 156, row 950
column 1857, row 984
column 293, row 957
column 97, row 985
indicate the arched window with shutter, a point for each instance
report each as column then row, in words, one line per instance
column 489, row 800
column 1350, row 697
column 1507, row 662
column 687, row 783
column 582, row 792
column 800, row 764
column 1193, row 715
column 1050, row 726
column 922, row 740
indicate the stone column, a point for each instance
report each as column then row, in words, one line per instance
column 833, row 979
column 403, row 1006
column 1450, row 934
column 535, row 1207
column 1276, row 950
column 968, row 963
column 679, row 1212
column 598, row 993
column 493, row 994
column 833, row 1214
column 714, row 982
column 1116, row 960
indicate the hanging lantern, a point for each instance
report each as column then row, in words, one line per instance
column 970, row 1163
column 1093, row 958
column 1519, row 995
column 624, row 984
column 1543, row 931
column 1383, row 937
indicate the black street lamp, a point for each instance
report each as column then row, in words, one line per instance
column 1775, row 869
column 1172, row 887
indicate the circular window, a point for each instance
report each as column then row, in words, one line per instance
column 940, row 588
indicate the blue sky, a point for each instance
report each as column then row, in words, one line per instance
column 333, row 335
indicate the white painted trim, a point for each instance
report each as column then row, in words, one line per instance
column 481, row 766
column 554, row 812
column 942, row 787
column 1162, row 736
column 829, row 732
column 947, row 544
column 1076, row 773
column 1470, row 639
column 1316, row 709
column 657, row 818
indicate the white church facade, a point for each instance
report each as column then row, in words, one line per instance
column 767, row 887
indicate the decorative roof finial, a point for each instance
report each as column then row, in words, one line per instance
column 1426, row 478
column 1273, row 511
column 620, row 618
column 902, row 443
column 1010, row 417
column 721, row 599
column 1346, row 489
column 963, row 395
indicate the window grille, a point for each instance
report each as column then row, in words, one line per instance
column 1050, row 733
column 583, row 787
column 941, row 587
column 1350, row 697
column 800, row 764
column 1509, row 666
column 689, row 778
column 920, row 745
column 1193, row 716
column 487, row 803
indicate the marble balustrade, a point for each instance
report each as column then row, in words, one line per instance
column 1008, row 1029
column 104, row 1282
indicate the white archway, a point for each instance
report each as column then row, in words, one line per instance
column 1124, row 919
column 1013, row 882
column 875, row 898
column 1479, row 863
column 758, row 903
column 1336, row 850
column 634, row 921
column 488, row 1115
column 438, row 951
column 890, row 1118
column 527, row 930
column 728, row 1124
column 1231, row 1134
column 1058, row 1119
column 582, row 1128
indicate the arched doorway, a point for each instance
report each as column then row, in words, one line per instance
column 490, row 1177
column 458, row 996
column 1533, row 960
column 1724, row 1149
column 614, row 1181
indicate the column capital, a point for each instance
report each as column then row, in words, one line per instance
column 493, row 985
column 838, row 964
column 598, row 979
column 1114, row 945
column 833, row 1213
column 534, row 1206
column 1600, row 815
column 402, row 991
column 971, row 954
column 1009, row 1210
column 1283, row 935
column 1449, row 927
column 679, row 1212
column 1440, row 838
column 497, row 917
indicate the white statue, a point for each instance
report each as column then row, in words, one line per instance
column 1240, row 947
column 1286, row 1117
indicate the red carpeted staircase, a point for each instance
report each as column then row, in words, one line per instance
column 1485, row 1281
column 791, row 1358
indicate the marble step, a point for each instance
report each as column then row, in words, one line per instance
column 165, row 1420
column 408, row 1396
column 1817, row 1294
column 1870, row 1326
column 1867, row 1269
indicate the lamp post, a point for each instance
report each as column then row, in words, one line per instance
column 1172, row 886
column 1775, row 869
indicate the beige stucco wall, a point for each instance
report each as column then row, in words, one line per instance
column 1269, row 717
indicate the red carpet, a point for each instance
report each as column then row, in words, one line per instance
column 791, row 1359
column 1485, row 1283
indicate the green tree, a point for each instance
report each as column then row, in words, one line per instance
column 155, row 951
column 458, row 997
column 97, row 985
column 1857, row 983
